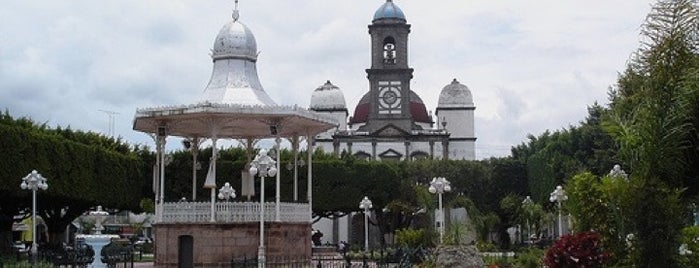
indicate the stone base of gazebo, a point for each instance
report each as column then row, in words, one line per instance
column 217, row 244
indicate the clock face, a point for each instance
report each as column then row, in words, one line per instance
column 389, row 97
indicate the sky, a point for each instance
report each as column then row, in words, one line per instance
column 531, row 65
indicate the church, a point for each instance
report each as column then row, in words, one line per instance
column 391, row 122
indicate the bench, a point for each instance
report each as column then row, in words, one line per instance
column 69, row 257
column 115, row 253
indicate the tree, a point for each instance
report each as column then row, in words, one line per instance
column 78, row 165
column 653, row 109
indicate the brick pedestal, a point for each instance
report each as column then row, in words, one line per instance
column 215, row 245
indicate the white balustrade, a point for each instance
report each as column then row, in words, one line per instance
column 233, row 212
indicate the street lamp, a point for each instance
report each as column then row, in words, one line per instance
column 558, row 196
column 266, row 167
column 617, row 172
column 440, row 185
column 34, row 181
column 226, row 192
column 366, row 205
column 526, row 205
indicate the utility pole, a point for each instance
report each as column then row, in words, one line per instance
column 111, row 115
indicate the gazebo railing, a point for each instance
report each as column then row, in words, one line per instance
column 233, row 212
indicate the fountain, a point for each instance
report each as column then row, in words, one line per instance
column 96, row 240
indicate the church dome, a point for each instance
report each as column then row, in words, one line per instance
column 417, row 109
column 389, row 10
column 455, row 95
column 328, row 97
column 235, row 40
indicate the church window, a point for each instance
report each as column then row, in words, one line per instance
column 389, row 50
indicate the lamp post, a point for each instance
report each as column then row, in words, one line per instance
column 366, row 205
column 266, row 167
column 226, row 192
column 440, row 185
column 526, row 206
column 558, row 196
column 34, row 181
column 617, row 172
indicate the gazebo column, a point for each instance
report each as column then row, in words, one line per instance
column 295, row 153
column 309, row 150
column 278, row 147
column 160, row 145
column 211, row 176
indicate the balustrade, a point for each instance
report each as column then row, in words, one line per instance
column 233, row 212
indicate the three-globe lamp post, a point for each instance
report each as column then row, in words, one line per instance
column 526, row 205
column 226, row 192
column 439, row 186
column 34, row 181
column 366, row 205
column 265, row 166
column 558, row 196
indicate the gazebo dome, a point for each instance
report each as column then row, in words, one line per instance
column 418, row 111
column 234, row 77
column 389, row 10
column 455, row 95
column 328, row 97
column 235, row 40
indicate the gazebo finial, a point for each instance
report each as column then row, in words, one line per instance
column 236, row 13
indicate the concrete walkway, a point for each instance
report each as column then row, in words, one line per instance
column 143, row 265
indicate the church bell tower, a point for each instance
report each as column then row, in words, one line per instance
column 389, row 75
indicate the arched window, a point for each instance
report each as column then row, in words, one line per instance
column 389, row 50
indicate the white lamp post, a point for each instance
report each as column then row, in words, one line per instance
column 526, row 205
column 34, row 181
column 366, row 205
column 440, row 185
column 617, row 172
column 266, row 167
column 226, row 192
column 558, row 196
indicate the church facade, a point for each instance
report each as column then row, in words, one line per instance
column 391, row 122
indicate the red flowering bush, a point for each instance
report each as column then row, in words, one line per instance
column 580, row 250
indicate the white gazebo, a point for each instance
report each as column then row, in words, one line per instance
column 233, row 106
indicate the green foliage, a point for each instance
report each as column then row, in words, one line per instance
column 652, row 117
column 530, row 258
column 483, row 246
column 83, row 170
column 456, row 234
column 602, row 205
column 413, row 238
column 690, row 240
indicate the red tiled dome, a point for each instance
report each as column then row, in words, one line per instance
column 417, row 110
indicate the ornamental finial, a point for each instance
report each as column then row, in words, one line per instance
column 236, row 14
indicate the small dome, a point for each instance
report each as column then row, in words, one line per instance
column 389, row 10
column 455, row 95
column 235, row 40
column 328, row 97
column 418, row 111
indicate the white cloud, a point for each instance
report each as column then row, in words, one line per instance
column 531, row 65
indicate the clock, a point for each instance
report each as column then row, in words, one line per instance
column 389, row 97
